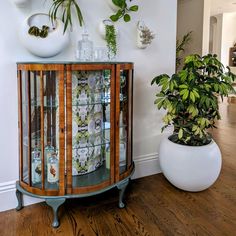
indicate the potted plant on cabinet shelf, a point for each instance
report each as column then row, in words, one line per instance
column 189, row 158
column 66, row 6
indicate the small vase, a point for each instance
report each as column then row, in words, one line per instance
column 102, row 27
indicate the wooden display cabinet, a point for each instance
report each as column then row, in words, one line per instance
column 75, row 130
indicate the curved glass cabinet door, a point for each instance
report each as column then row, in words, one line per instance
column 90, row 115
column 41, row 121
column 124, row 96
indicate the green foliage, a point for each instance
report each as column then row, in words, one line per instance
column 123, row 10
column 180, row 47
column 67, row 6
column 191, row 98
column 111, row 38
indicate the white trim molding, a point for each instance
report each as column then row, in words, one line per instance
column 144, row 165
column 7, row 186
column 8, row 198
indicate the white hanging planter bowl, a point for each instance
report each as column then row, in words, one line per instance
column 190, row 168
column 50, row 46
column 102, row 28
column 20, row 3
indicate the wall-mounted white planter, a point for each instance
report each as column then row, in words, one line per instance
column 20, row 3
column 102, row 28
column 144, row 35
column 50, row 46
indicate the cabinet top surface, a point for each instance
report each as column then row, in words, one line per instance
column 74, row 62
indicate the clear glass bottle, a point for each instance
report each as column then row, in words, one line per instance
column 48, row 151
column 53, row 169
column 85, row 48
column 36, row 172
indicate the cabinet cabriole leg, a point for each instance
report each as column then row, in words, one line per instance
column 55, row 204
column 122, row 187
column 19, row 197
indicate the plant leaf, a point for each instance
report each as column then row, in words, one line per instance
column 127, row 18
column 134, row 8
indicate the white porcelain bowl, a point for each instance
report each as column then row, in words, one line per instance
column 50, row 46
column 190, row 168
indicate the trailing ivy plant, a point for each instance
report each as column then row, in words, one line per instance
column 66, row 6
column 123, row 10
column 110, row 38
column 190, row 98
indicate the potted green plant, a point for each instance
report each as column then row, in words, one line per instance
column 66, row 6
column 122, row 10
column 189, row 158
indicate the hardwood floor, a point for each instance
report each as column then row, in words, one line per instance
column 154, row 207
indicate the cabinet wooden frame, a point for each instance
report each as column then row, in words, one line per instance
column 64, row 77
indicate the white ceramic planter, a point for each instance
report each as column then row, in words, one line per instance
column 190, row 168
column 140, row 40
column 50, row 46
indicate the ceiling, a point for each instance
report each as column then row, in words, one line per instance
column 221, row 6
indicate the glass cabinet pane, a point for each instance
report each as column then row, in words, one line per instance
column 25, row 127
column 124, row 117
column 35, row 130
column 40, row 106
column 90, row 127
column 51, row 129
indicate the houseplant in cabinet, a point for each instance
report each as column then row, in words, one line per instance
column 75, row 123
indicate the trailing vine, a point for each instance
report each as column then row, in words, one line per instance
column 111, row 39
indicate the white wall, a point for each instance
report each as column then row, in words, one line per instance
column 158, row 58
column 228, row 36
column 194, row 16
column 206, row 26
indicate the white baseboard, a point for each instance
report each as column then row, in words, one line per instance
column 144, row 165
column 8, row 198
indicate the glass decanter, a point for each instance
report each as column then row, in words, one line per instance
column 85, row 48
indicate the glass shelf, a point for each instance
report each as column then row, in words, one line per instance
column 75, row 104
column 90, row 145
column 93, row 178
column 51, row 186
column 37, row 138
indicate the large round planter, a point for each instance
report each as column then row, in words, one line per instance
column 50, row 46
column 190, row 168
